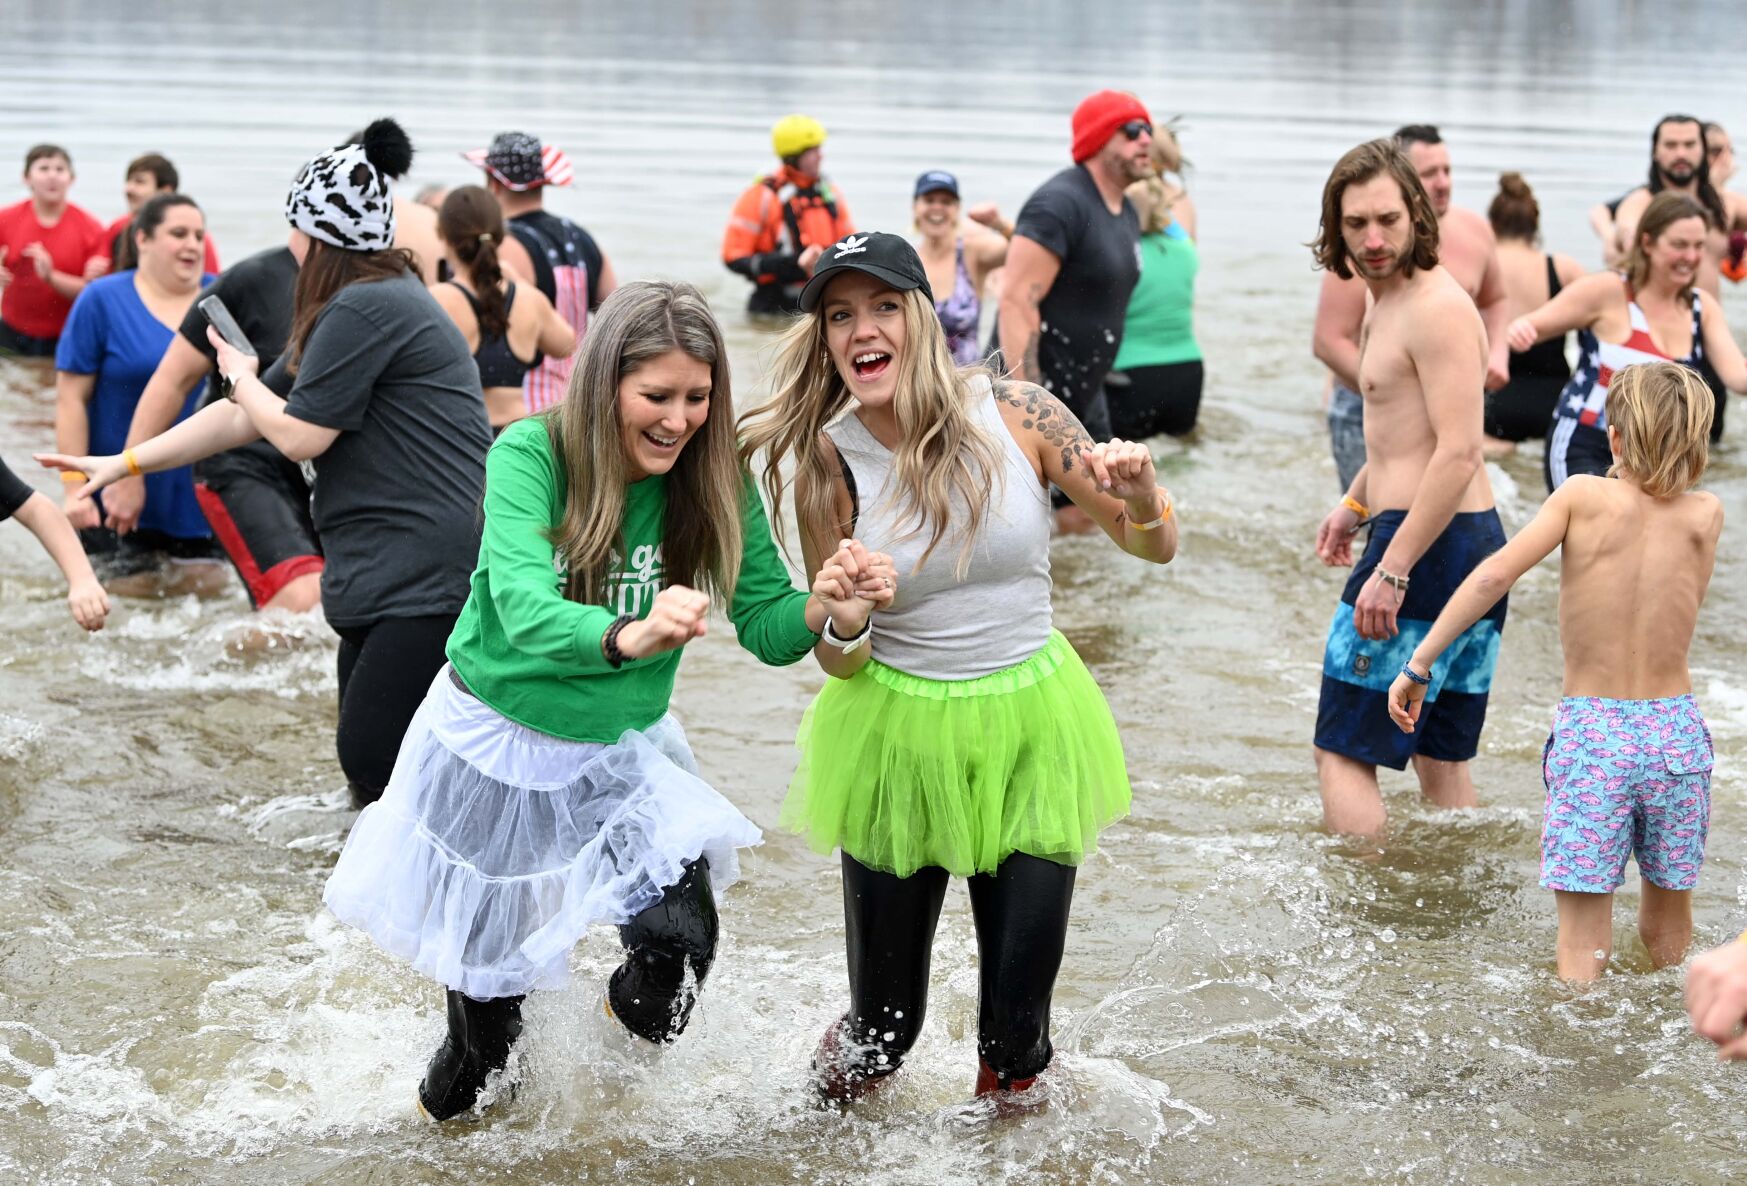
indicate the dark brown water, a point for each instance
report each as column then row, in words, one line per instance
column 1243, row 999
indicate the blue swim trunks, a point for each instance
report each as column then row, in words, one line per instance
column 1352, row 717
column 1625, row 778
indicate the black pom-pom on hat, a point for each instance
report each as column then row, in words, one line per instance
column 387, row 147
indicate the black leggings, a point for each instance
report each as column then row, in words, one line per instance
column 1021, row 914
column 648, row 992
column 385, row 670
column 1147, row 401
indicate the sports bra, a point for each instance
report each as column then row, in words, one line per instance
column 498, row 365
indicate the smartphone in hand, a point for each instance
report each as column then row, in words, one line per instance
column 226, row 325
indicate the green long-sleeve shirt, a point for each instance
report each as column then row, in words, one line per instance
column 535, row 656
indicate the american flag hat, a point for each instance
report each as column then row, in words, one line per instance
column 520, row 162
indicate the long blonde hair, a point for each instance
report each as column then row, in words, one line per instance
column 943, row 455
column 700, row 531
column 1154, row 196
column 1663, row 413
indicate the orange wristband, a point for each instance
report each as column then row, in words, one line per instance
column 1354, row 505
column 133, row 467
column 72, row 477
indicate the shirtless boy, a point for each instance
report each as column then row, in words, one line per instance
column 1628, row 764
column 1423, row 491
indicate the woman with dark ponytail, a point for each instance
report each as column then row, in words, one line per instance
column 377, row 390
column 504, row 323
column 1521, row 409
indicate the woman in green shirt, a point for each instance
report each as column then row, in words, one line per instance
column 543, row 788
column 1155, row 384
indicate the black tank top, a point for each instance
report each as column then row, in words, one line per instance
column 498, row 365
column 1544, row 358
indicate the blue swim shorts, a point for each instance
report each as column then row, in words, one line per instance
column 1625, row 778
column 1352, row 717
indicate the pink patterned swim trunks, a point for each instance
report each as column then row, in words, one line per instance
column 1625, row 778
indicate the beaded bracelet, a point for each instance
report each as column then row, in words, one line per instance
column 610, row 641
column 1416, row 677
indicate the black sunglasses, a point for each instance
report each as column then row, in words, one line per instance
column 1134, row 127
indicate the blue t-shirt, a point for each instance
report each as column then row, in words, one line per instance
column 112, row 335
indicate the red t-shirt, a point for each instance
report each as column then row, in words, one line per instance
column 120, row 225
column 31, row 305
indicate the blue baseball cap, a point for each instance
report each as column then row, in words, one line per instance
column 936, row 180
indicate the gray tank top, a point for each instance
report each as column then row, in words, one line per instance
column 941, row 627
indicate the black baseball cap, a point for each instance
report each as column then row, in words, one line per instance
column 887, row 258
column 936, row 181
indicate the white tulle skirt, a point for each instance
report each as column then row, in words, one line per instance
column 495, row 847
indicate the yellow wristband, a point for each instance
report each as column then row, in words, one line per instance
column 1743, row 938
column 1159, row 522
column 1354, row 505
column 72, row 477
column 133, row 466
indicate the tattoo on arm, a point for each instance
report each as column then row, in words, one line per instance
column 1051, row 418
column 1030, row 369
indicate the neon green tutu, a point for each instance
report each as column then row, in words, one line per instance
column 903, row 772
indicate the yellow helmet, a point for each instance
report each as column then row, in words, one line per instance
column 795, row 134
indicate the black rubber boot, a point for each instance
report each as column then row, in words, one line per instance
column 478, row 1043
column 648, row 993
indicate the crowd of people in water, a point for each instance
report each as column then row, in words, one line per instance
column 517, row 485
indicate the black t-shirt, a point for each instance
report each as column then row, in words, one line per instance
column 14, row 493
column 397, row 495
column 258, row 292
column 553, row 242
column 1084, row 309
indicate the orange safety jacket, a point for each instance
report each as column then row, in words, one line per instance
column 776, row 219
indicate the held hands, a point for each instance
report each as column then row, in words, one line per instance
column 89, row 603
column 1405, row 700
column 1716, row 998
column 82, row 510
column 853, row 583
column 96, row 267
column 1123, row 469
column 1334, row 539
column 677, row 617
column 1520, row 335
column 233, row 362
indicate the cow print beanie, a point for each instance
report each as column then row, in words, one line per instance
column 342, row 197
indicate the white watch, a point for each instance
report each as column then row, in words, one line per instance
column 846, row 645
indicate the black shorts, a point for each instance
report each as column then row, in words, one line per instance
column 1522, row 408
column 1147, row 401
column 23, row 345
column 114, row 557
column 258, row 504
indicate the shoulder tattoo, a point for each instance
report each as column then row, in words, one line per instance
column 1050, row 418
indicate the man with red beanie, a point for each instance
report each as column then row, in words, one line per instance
column 1073, row 262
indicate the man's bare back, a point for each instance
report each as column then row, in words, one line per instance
column 1466, row 248
column 1632, row 576
column 1424, row 328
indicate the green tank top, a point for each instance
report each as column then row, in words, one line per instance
column 1160, row 328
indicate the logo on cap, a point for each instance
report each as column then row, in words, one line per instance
column 851, row 246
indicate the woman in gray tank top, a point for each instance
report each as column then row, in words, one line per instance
column 961, row 736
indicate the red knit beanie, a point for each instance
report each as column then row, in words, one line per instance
column 1097, row 118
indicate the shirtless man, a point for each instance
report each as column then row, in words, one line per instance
column 1679, row 162
column 1470, row 254
column 1423, row 491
